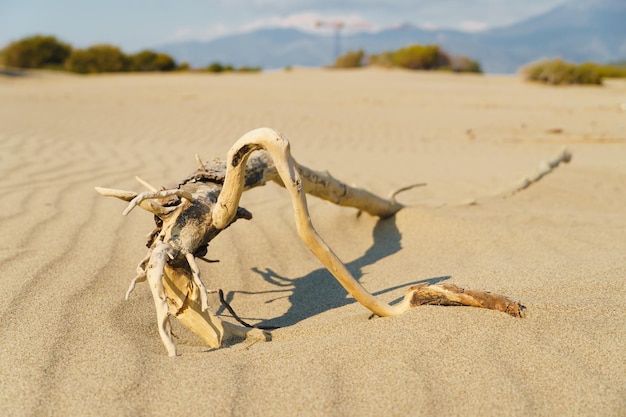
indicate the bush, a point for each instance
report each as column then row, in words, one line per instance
column 216, row 67
column 184, row 66
column 248, row 69
column 586, row 73
column 617, row 70
column 558, row 72
column 420, row 57
column 36, row 52
column 464, row 64
column 47, row 52
column 424, row 57
column 151, row 61
column 97, row 58
column 351, row 59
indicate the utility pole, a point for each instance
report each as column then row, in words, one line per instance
column 337, row 26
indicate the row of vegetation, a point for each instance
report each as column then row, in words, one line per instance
column 218, row 67
column 432, row 57
column 415, row 57
column 559, row 72
column 47, row 52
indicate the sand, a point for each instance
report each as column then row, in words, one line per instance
column 72, row 346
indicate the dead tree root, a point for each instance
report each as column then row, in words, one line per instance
column 189, row 215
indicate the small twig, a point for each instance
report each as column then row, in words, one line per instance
column 146, row 184
column 253, row 343
column 150, row 195
column 236, row 317
column 408, row 187
column 230, row 309
column 544, row 169
column 201, row 165
column 207, row 260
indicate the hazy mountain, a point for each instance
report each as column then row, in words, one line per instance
column 579, row 30
column 267, row 48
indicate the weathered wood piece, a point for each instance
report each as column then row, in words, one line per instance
column 451, row 295
column 544, row 168
column 189, row 215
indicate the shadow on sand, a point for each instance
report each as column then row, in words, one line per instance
column 318, row 291
column 12, row 72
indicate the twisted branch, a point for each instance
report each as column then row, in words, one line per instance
column 189, row 215
column 291, row 177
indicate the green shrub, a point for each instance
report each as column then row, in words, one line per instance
column 424, row 57
column 533, row 72
column 351, row 59
column 97, row 58
column 36, row 52
column 586, row 73
column 464, row 64
column 151, row 61
column 559, row 72
column 215, row 67
column 616, row 70
column 248, row 69
column 184, row 66
column 420, row 57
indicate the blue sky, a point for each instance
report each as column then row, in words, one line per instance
column 137, row 24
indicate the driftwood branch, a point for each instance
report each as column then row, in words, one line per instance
column 544, row 168
column 451, row 295
column 189, row 215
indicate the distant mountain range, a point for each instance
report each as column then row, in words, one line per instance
column 579, row 30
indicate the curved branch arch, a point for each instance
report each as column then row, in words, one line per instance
column 201, row 206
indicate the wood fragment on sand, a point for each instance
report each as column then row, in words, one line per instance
column 544, row 168
column 193, row 212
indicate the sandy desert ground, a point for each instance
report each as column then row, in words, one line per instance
column 71, row 344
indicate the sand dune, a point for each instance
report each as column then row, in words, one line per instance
column 71, row 345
